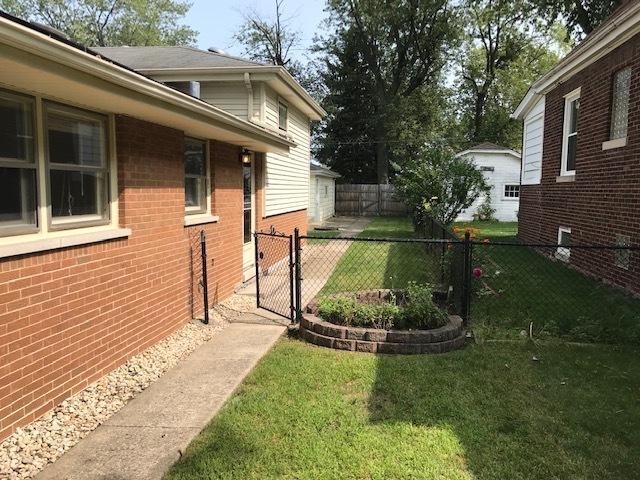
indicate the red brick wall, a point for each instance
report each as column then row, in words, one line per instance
column 603, row 200
column 69, row 316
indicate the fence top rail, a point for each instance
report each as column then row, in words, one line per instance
column 472, row 242
column 272, row 234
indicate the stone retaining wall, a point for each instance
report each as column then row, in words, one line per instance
column 439, row 340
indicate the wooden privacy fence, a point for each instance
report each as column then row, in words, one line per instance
column 368, row 200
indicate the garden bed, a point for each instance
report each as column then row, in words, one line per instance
column 444, row 338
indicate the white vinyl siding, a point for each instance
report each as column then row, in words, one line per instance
column 230, row 97
column 286, row 179
column 500, row 170
column 322, row 200
column 532, row 141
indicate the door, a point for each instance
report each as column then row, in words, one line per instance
column 249, row 218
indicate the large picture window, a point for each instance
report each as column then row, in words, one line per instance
column 17, row 164
column 570, row 133
column 78, row 166
column 195, row 176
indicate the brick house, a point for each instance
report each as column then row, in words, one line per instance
column 106, row 179
column 580, row 175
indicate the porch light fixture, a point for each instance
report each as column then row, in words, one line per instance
column 245, row 157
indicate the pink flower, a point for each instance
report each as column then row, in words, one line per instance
column 477, row 272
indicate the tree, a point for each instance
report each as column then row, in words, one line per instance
column 110, row 22
column 270, row 40
column 581, row 17
column 505, row 50
column 439, row 184
column 401, row 48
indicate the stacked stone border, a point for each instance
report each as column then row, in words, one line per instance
column 357, row 339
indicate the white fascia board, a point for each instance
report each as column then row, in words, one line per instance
column 602, row 42
column 504, row 152
column 36, row 43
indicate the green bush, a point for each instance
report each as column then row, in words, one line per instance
column 418, row 311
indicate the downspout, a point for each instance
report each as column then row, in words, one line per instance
column 248, row 86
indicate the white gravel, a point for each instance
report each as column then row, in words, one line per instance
column 29, row 449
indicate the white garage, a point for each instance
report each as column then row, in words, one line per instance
column 501, row 168
column 322, row 193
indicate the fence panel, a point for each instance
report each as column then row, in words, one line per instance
column 518, row 286
column 368, row 200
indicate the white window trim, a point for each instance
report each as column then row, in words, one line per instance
column 194, row 215
column 45, row 238
column 563, row 253
column 568, row 99
column 511, row 199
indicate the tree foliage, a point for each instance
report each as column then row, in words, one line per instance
column 398, row 47
column 581, row 17
column 437, row 183
column 110, row 22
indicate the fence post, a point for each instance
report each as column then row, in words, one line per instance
column 466, row 291
column 257, row 257
column 205, row 283
column 292, row 276
column 298, row 274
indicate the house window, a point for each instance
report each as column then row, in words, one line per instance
column 326, row 191
column 512, row 191
column 487, row 169
column 620, row 103
column 195, row 176
column 17, row 165
column 570, row 132
column 282, row 116
column 563, row 252
column 78, row 167
column 623, row 255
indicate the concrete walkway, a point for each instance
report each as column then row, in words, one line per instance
column 148, row 435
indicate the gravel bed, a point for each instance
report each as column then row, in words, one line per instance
column 29, row 449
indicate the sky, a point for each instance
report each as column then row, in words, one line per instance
column 217, row 20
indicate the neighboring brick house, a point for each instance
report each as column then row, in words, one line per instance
column 580, row 178
column 106, row 179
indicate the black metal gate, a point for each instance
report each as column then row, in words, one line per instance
column 274, row 262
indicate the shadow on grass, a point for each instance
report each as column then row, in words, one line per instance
column 509, row 417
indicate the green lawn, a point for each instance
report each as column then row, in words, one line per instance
column 486, row 412
column 520, row 286
column 368, row 265
column 320, row 235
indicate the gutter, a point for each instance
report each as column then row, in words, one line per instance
column 20, row 34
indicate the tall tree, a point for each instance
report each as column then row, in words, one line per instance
column 270, row 40
column 580, row 16
column 110, row 22
column 401, row 47
column 506, row 48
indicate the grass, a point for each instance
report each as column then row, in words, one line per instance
column 319, row 235
column 368, row 265
column 486, row 412
column 520, row 286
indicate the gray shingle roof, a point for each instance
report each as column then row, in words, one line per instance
column 324, row 171
column 489, row 146
column 147, row 58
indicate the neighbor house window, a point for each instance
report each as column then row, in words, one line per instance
column 78, row 166
column 282, row 116
column 17, row 164
column 623, row 255
column 563, row 252
column 512, row 191
column 195, row 176
column 326, row 191
column 570, row 132
column 620, row 103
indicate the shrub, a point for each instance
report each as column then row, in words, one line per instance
column 420, row 310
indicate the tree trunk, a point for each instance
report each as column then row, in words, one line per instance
column 478, row 115
column 382, row 152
